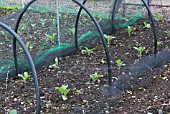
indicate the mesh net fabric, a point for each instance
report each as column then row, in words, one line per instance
column 40, row 22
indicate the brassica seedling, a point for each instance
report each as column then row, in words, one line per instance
column 55, row 65
column 43, row 21
column 33, row 26
column 87, row 51
column 140, row 50
column 108, row 38
column 168, row 32
column 102, row 61
column 158, row 16
column 24, row 28
column 51, row 37
column 146, row 25
column 159, row 43
column 29, row 45
column 119, row 63
column 95, row 76
column 142, row 89
column 72, row 31
column 129, row 30
column 64, row 91
column 24, row 76
column 129, row 92
column 4, row 34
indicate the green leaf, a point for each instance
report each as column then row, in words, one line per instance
column 88, row 51
column 28, row 45
column 20, row 75
column 102, row 61
column 78, row 91
column 140, row 50
column 168, row 32
column 64, row 86
column 129, row 31
column 108, row 38
column 13, row 111
column 63, row 90
column 129, row 92
column 51, row 37
column 119, row 63
column 142, row 89
column 148, row 26
column 159, row 43
column 56, row 60
column 83, row 51
column 72, row 31
column 55, row 65
column 64, row 97
column 160, row 111
column 158, row 16
column 149, row 113
column 26, row 74
column 135, row 48
column 95, row 76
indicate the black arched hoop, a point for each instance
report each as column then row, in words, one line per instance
column 115, row 6
column 30, row 62
column 16, row 29
column 102, row 38
column 153, row 26
column 76, row 25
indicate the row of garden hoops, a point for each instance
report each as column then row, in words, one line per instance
column 82, row 6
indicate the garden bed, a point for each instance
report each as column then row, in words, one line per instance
column 90, row 97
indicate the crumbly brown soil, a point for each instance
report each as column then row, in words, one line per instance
column 75, row 71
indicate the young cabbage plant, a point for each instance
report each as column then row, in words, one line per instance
column 102, row 61
column 72, row 31
column 4, row 34
column 140, row 50
column 108, row 38
column 129, row 30
column 43, row 21
column 168, row 32
column 55, row 65
column 29, row 45
column 159, row 43
column 158, row 16
column 146, row 25
column 95, row 76
column 24, row 28
column 64, row 91
column 87, row 51
column 119, row 63
column 51, row 37
column 129, row 92
column 33, row 26
column 24, row 76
